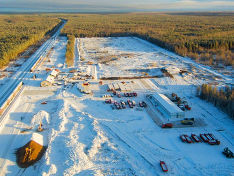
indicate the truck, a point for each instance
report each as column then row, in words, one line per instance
column 204, row 138
column 212, row 140
column 163, row 166
column 187, row 107
column 195, row 138
column 188, row 139
column 183, row 138
column 108, row 101
column 167, row 125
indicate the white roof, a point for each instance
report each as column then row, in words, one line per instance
column 173, row 69
column 167, row 103
column 38, row 138
column 50, row 79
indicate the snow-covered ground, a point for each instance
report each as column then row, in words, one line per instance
column 125, row 56
column 86, row 137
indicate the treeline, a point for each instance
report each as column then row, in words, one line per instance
column 206, row 39
column 222, row 98
column 18, row 32
column 70, row 50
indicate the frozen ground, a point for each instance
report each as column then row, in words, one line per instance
column 125, row 56
column 86, row 137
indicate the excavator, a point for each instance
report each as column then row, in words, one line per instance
column 40, row 128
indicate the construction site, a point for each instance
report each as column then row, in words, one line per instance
column 128, row 108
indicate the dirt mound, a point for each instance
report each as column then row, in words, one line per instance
column 29, row 154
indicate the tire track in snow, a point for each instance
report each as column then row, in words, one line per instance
column 146, row 156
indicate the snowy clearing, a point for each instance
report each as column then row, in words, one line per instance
column 87, row 137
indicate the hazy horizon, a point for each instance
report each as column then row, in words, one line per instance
column 12, row 6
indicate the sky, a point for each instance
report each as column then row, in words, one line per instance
column 115, row 5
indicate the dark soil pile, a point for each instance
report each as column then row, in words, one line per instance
column 29, row 154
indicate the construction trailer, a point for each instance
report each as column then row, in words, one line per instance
column 119, row 87
column 165, row 106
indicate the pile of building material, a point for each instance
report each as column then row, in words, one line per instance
column 31, row 152
column 84, row 87
column 123, row 87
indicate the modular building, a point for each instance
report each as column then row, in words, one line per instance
column 125, row 87
column 165, row 106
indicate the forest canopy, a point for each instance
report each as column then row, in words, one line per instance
column 18, row 32
column 208, row 39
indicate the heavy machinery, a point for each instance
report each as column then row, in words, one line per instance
column 228, row 153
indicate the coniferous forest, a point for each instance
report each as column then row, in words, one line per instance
column 223, row 98
column 207, row 38
column 18, row 32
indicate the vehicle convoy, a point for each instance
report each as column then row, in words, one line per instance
column 210, row 139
